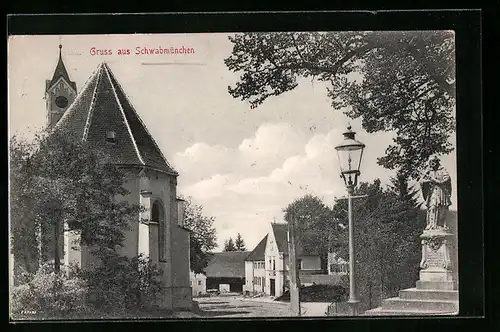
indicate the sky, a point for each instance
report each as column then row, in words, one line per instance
column 244, row 166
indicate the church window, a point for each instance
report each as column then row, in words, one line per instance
column 158, row 216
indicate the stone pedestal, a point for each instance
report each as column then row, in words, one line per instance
column 437, row 265
column 436, row 291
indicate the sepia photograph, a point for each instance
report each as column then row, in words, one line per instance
column 232, row 175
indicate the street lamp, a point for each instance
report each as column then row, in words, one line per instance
column 349, row 153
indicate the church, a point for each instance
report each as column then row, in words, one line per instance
column 102, row 115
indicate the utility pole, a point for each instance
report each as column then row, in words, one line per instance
column 294, row 275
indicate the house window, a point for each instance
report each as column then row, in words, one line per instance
column 199, row 282
column 299, row 264
column 338, row 268
column 158, row 216
column 191, row 283
column 274, row 264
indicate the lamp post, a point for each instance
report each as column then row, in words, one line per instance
column 350, row 153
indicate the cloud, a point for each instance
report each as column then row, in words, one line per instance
column 285, row 164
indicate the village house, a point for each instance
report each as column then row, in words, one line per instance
column 226, row 271
column 255, row 271
column 198, row 283
column 102, row 115
column 267, row 266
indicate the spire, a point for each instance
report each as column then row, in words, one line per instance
column 60, row 71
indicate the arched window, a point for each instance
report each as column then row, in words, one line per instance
column 158, row 216
column 155, row 212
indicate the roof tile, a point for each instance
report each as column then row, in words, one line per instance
column 102, row 106
column 229, row 264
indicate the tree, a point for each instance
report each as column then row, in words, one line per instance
column 229, row 245
column 314, row 225
column 203, row 235
column 62, row 184
column 387, row 229
column 398, row 81
column 239, row 244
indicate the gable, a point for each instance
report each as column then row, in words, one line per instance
column 60, row 72
column 280, row 232
column 258, row 254
column 60, row 83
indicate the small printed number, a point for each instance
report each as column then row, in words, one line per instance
column 28, row 312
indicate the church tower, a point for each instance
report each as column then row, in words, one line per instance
column 60, row 92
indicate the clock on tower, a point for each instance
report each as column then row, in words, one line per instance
column 60, row 92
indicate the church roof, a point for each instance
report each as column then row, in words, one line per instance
column 103, row 107
column 59, row 72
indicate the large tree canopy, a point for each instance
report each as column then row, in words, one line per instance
column 59, row 183
column 314, row 225
column 387, row 228
column 394, row 81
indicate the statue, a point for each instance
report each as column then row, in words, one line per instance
column 436, row 190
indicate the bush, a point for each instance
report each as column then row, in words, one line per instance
column 119, row 284
column 119, row 287
column 47, row 294
column 318, row 293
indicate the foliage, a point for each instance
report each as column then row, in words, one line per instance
column 117, row 286
column 49, row 295
column 239, row 244
column 397, row 81
column 387, row 229
column 229, row 245
column 314, row 225
column 120, row 284
column 318, row 293
column 387, row 223
column 203, row 235
column 61, row 183
column 22, row 215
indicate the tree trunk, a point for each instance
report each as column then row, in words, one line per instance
column 57, row 262
column 370, row 294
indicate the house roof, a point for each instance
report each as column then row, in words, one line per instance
column 59, row 72
column 258, row 254
column 281, row 236
column 102, row 106
column 229, row 264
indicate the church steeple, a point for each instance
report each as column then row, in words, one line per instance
column 60, row 92
column 59, row 72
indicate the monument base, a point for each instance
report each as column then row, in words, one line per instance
column 436, row 292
